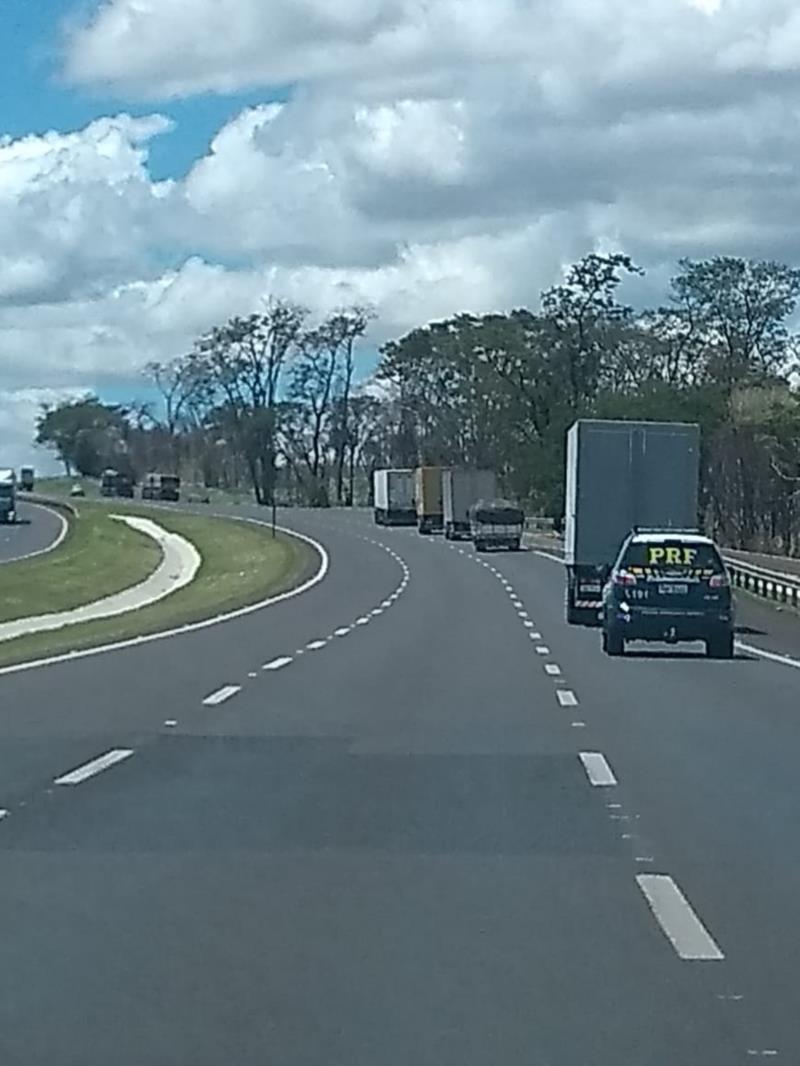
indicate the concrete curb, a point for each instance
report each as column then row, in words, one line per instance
column 178, row 567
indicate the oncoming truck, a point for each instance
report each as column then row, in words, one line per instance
column 8, row 496
column 621, row 475
column 26, row 479
column 460, row 490
column 161, row 487
column 394, row 498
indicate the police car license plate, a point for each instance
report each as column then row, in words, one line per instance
column 673, row 590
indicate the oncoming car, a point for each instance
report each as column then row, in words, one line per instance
column 668, row 586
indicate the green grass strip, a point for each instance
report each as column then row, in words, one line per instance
column 98, row 558
column 242, row 564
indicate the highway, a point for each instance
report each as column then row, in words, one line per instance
column 408, row 817
column 36, row 530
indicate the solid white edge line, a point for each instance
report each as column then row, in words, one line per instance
column 277, row 664
column 95, row 766
column 773, row 656
column 677, row 919
column 597, row 769
column 191, row 627
column 50, row 547
column 222, row 694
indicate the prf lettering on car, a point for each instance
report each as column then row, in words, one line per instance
column 671, row 556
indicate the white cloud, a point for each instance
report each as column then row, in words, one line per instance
column 434, row 155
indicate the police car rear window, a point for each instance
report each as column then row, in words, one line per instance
column 673, row 554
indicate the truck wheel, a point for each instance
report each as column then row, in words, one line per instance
column 377, row 518
column 720, row 647
column 480, row 546
column 613, row 642
column 514, row 546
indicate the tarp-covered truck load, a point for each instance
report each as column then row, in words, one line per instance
column 461, row 488
column 496, row 524
column 394, row 498
column 428, row 497
column 620, row 475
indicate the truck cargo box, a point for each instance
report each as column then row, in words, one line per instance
column 619, row 475
column 428, row 495
column 394, row 498
column 461, row 488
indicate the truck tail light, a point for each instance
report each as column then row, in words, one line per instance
column 624, row 577
column 719, row 581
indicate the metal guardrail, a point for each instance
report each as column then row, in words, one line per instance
column 775, row 585
column 769, row 584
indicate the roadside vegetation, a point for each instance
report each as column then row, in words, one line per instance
column 242, row 564
column 269, row 403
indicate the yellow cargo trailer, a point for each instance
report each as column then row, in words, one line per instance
column 428, row 498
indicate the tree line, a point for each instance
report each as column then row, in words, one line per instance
column 271, row 402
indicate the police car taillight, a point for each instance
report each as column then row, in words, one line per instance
column 718, row 581
column 624, row 577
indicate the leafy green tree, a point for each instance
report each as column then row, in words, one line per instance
column 87, row 435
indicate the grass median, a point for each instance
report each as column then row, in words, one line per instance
column 99, row 556
column 242, row 564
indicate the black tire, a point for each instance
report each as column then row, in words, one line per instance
column 378, row 521
column 480, row 546
column 514, row 547
column 720, row 647
column 613, row 642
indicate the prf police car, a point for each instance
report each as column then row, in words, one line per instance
column 668, row 585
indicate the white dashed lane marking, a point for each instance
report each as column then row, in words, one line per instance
column 315, row 645
column 222, row 694
column 277, row 664
column 343, row 631
column 542, row 650
column 677, row 919
column 566, row 697
column 597, row 769
column 552, row 669
column 96, row 766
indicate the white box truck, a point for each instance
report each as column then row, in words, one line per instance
column 621, row 475
column 460, row 490
column 394, row 498
column 8, row 496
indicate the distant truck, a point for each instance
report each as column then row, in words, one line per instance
column 428, row 497
column 496, row 524
column 26, row 479
column 621, row 475
column 161, row 487
column 394, row 498
column 460, row 490
column 8, row 496
column 113, row 483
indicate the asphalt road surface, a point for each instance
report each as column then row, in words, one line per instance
column 408, row 818
column 36, row 529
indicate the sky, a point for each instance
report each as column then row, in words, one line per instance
column 165, row 164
